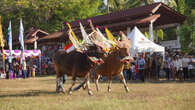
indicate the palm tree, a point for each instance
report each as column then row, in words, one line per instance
column 114, row 5
column 147, row 2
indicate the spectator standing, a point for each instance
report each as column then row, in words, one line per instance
column 14, row 69
column 136, row 68
column 179, row 67
column 34, row 71
column 2, row 73
column 11, row 74
column 24, row 68
column 154, row 65
column 133, row 70
column 125, row 71
column 17, row 70
column 185, row 62
column 19, row 73
column 141, row 66
column 148, row 66
column 173, row 68
column 159, row 63
column 167, row 68
column 7, row 70
column 190, row 67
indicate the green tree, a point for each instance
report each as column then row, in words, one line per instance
column 147, row 2
column 48, row 15
column 115, row 5
column 187, row 8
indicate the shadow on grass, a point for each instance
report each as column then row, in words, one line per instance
column 150, row 81
column 163, row 81
column 30, row 94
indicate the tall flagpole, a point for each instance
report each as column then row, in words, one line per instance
column 10, row 42
column 21, row 41
column 2, row 44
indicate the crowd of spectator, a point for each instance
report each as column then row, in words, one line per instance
column 20, row 69
column 173, row 66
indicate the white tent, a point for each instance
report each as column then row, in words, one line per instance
column 141, row 44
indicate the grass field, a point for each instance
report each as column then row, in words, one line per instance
column 39, row 94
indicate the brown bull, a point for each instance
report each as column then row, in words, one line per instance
column 76, row 64
column 114, row 63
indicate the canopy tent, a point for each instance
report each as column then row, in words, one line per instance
column 141, row 44
column 17, row 53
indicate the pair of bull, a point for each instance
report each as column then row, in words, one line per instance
column 82, row 63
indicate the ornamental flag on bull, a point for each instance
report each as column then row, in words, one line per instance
column 10, row 41
column 108, row 42
column 84, row 34
column 2, row 41
column 110, row 36
column 68, row 48
column 74, row 42
column 73, row 35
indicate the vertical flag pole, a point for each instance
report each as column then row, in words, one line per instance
column 21, row 41
column 35, row 42
column 91, row 24
column 10, row 42
column 2, row 44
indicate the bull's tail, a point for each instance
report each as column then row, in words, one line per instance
column 79, row 86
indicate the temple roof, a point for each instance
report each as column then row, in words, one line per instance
column 160, row 14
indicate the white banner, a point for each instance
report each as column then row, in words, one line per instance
column 17, row 53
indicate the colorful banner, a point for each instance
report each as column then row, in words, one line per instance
column 17, row 53
column 84, row 34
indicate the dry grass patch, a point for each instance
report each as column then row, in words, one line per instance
column 39, row 94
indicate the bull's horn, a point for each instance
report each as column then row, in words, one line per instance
column 91, row 24
column 124, row 37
